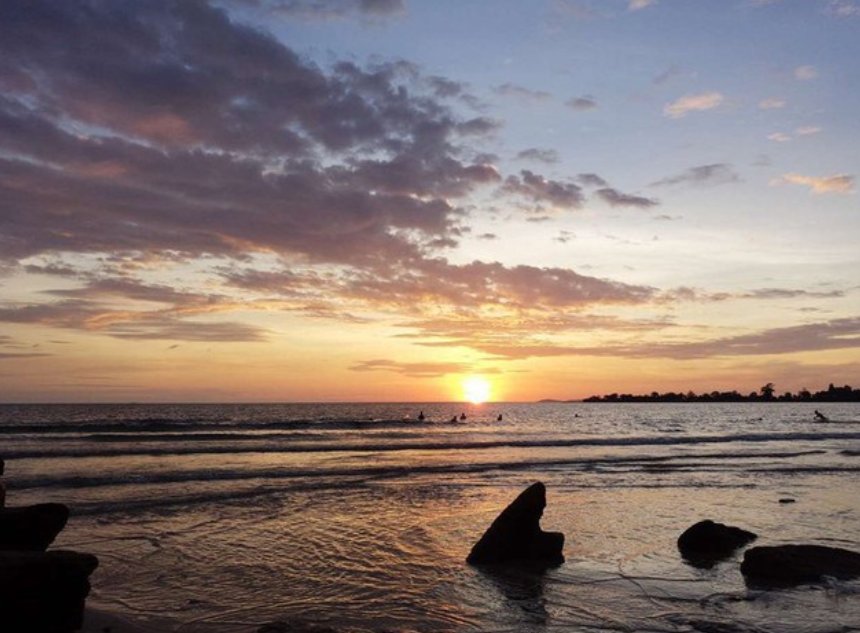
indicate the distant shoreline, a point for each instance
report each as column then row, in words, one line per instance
column 766, row 394
column 601, row 400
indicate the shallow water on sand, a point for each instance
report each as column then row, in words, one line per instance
column 220, row 518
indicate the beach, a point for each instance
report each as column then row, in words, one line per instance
column 218, row 519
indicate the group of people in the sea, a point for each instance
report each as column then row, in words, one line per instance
column 461, row 418
column 819, row 417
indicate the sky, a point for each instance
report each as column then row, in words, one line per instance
column 386, row 200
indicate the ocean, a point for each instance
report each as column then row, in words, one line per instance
column 219, row 518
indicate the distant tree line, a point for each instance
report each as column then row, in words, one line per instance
column 766, row 394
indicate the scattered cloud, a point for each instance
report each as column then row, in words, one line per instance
column 591, row 180
column 784, row 293
column 667, row 75
column 191, row 331
column 688, row 294
column 693, row 103
column 806, row 73
column 437, row 284
column 842, row 9
column 637, row 5
column 312, row 10
column 575, row 10
column 478, row 284
column 445, row 88
column 807, row 130
column 414, row 370
column 91, row 316
column 616, row 198
column 779, row 137
column 839, row 183
column 522, row 336
column 229, row 148
column 771, row 103
column 703, row 175
column 355, row 171
column 548, row 156
column 536, row 188
column 814, row 337
column 53, row 268
column 582, row 104
column 519, row 92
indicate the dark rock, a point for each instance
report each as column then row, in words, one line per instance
column 516, row 536
column 31, row 528
column 785, row 500
column 294, row 627
column 786, row 565
column 707, row 542
column 44, row 591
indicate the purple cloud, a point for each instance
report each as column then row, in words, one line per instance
column 211, row 143
column 536, row 188
column 519, row 92
column 591, row 180
column 813, row 337
column 334, row 9
column 548, row 156
column 616, row 198
column 582, row 104
column 703, row 175
column 164, row 132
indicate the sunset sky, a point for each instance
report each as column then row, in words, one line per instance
column 376, row 200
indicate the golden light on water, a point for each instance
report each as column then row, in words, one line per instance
column 476, row 389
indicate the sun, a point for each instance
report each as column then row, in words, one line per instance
column 476, row 389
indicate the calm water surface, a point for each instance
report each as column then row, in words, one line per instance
column 221, row 517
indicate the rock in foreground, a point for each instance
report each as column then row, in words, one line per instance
column 44, row 591
column 31, row 528
column 516, row 536
column 785, row 565
column 294, row 627
column 707, row 542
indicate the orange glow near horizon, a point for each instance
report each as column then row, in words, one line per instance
column 477, row 389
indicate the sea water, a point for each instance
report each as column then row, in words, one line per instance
column 223, row 517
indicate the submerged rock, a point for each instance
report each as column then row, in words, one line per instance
column 516, row 536
column 44, row 591
column 783, row 565
column 31, row 528
column 707, row 542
